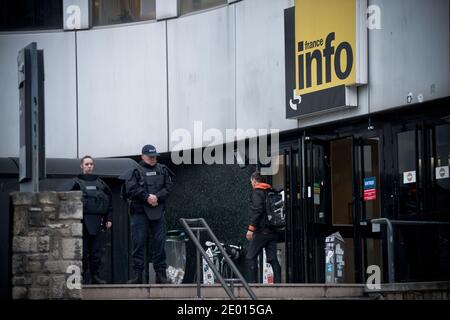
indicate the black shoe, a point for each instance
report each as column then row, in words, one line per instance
column 136, row 280
column 97, row 280
column 161, row 277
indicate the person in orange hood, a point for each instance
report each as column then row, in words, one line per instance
column 260, row 235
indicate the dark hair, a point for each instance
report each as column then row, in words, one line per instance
column 86, row 157
column 258, row 177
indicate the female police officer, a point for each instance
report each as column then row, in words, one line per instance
column 97, row 212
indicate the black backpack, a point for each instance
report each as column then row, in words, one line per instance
column 95, row 200
column 276, row 215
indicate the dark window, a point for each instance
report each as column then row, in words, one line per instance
column 188, row 6
column 107, row 12
column 31, row 15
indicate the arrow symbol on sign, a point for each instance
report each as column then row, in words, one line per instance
column 293, row 103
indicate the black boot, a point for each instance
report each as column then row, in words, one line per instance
column 161, row 277
column 252, row 270
column 137, row 279
column 96, row 279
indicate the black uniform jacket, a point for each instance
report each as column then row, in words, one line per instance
column 159, row 183
column 93, row 222
column 257, row 208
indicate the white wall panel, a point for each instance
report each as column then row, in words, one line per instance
column 260, row 64
column 60, row 92
column 201, row 51
column 122, row 89
column 410, row 53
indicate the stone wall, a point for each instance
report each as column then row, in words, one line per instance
column 47, row 239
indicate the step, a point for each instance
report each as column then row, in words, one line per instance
column 432, row 290
column 189, row 291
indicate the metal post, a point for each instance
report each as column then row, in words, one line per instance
column 390, row 238
column 199, row 269
column 391, row 264
column 205, row 227
column 390, row 246
column 31, row 110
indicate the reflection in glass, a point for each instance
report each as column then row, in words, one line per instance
column 407, row 163
column 188, row 6
column 107, row 12
column 440, row 194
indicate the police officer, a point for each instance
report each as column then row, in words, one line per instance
column 147, row 187
column 97, row 214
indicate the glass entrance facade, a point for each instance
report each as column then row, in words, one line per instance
column 339, row 182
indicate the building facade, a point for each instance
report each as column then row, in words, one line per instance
column 375, row 146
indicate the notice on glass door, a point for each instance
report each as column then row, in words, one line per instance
column 409, row 177
column 442, row 172
column 370, row 190
column 316, row 193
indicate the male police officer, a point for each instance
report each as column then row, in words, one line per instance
column 97, row 213
column 147, row 187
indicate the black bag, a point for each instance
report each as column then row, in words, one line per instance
column 95, row 200
column 275, row 210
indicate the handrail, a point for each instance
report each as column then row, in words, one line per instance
column 390, row 236
column 204, row 226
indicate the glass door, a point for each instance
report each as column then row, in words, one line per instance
column 438, row 177
column 344, row 213
column 342, row 191
column 421, row 189
column 316, row 205
column 328, row 202
column 367, row 205
column 295, row 230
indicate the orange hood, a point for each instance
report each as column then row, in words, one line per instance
column 262, row 185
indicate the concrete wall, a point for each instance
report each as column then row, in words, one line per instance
column 410, row 53
column 60, row 92
column 201, row 59
column 260, row 88
column 122, row 98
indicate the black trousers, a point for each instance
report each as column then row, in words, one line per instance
column 140, row 225
column 92, row 251
column 262, row 239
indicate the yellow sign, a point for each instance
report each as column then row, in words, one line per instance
column 325, row 37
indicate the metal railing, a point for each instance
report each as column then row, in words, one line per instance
column 201, row 225
column 390, row 236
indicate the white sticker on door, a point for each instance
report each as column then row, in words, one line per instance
column 442, row 172
column 409, row 177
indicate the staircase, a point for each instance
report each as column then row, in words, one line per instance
column 395, row 291
column 213, row 292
